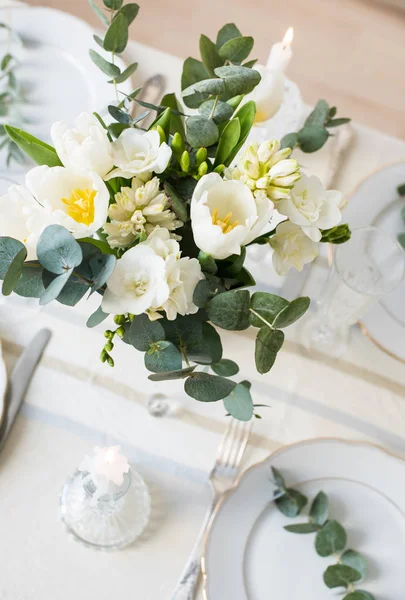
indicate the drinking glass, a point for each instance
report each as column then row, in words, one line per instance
column 366, row 268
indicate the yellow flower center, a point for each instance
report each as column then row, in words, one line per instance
column 81, row 206
column 225, row 223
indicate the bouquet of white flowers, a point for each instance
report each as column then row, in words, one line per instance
column 157, row 221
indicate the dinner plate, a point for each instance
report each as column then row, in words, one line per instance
column 249, row 556
column 376, row 202
column 55, row 70
column 3, row 384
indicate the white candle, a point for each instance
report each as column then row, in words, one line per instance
column 281, row 53
column 106, row 469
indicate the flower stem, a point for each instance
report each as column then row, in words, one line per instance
column 214, row 107
column 113, row 62
column 184, row 353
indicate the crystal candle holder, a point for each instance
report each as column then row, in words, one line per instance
column 106, row 522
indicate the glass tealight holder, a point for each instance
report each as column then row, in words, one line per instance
column 108, row 522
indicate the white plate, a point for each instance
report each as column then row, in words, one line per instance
column 3, row 384
column 248, row 554
column 57, row 74
column 376, row 202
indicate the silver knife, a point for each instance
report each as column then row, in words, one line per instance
column 20, row 379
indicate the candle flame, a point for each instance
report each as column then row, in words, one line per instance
column 109, row 456
column 288, row 38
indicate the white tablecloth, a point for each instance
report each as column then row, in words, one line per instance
column 74, row 402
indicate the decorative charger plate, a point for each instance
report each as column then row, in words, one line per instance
column 376, row 202
column 58, row 77
column 249, row 556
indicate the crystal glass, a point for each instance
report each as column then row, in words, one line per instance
column 109, row 522
column 366, row 268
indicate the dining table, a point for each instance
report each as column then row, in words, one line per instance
column 75, row 402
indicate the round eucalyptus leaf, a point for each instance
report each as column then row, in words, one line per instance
column 73, row 290
column 213, row 87
column 30, row 284
column 238, row 80
column 319, row 509
column 312, row 137
column 58, row 251
column 291, row 503
column 230, row 310
column 102, row 267
column 340, row 576
column 144, row 332
column 319, row 115
column 359, row 595
column 9, row 249
column 14, row 272
column 205, row 290
column 54, row 288
column 267, row 306
column 116, row 38
column 302, row 528
column 222, row 112
column 291, row 313
column 239, row 403
column 201, row 132
column 96, row 318
column 330, row 539
column 278, row 478
column 163, row 356
column 209, row 349
column 227, row 32
column 236, row 50
column 209, row 54
column 208, row 388
column 268, row 343
column 356, row 561
column 289, row 141
column 225, row 368
column 171, row 375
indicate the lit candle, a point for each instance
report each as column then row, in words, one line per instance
column 106, row 469
column 269, row 94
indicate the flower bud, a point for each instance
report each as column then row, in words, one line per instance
column 109, row 334
column 119, row 319
column 103, row 356
column 177, row 144
column 108, row 346
column 161, row 133
column 219, row 169
column 202, row 169
column 110, row 361
column 201, row 156
column 185, row 162
column 120, row 332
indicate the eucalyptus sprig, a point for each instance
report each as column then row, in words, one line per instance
column 330, row 540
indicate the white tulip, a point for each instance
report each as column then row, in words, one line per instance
column 76, row 200
column 292, row 248
column 85, row 146
column 139, row 153
column 312, row 207
column 225, row 215
column 22, row 218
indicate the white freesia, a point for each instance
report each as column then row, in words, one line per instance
column 76, row 200
column 138, row 153
column 85, row 146
column 138, row 209
column 152, row 277
column 312, row 207
column 225, row 215
column 292, row 248
column 22, row 218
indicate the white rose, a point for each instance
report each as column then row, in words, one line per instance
column 225, row 215
column 312, row 207
column 139, row 153
column 22, row 218
column 86, row 146
column 292, row 248
column 76, row 200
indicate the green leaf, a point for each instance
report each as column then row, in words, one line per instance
column 209, row 55
column 210, row 349
column 359, row 595
column 197, row 339
column 54, row 288
column 401, row 190
column 30, row 283
column 226, row 33
column 208, row 388
column 401, row 239
column 268, row 343
column 230, row 310
column 201, row 132
column 227, row 142
column 235, row 101
column 289, row 141
column 222, row 112
column 225, row 368
column 176, row 121
column 171, row 375
column 337, row 122
column 267, row 306
column 105, row 66
column 236, row 50
column 213, row 86
column 58, row 251
column 103, row 18
column 129, row 11
column 205, row 290
column 14, row 272
column 193, row 71
column 319, row 509
column 5, row 61
column 120, row 115
column 116, row 38
column 96, row 318
column 302, row 528
column 208, row 264
column 336, row 235
column 330, row 539
column 100, row 244
column 125, row 74
column 239, row 403
column 176, row 202
column 41, row 153
column 163, row 120
column 234, row 263
column 319, row 115
column 356, row 561
column 238, row 80
column 291, row 313
column 250, row 63
column 9, row 250
column 291, row 503
column 113, row 4
column 312, row 137
column 278, row 479
column 246, row 116
column 102, row 267
column 162, row 357
column 144, row 332
column 340, row 576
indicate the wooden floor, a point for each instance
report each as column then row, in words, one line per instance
column 350, row 52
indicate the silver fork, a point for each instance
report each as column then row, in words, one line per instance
column 222, row 476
